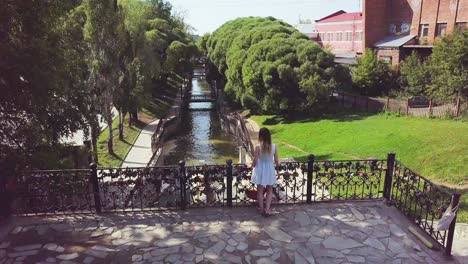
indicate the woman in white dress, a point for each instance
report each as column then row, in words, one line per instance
column 264, row 174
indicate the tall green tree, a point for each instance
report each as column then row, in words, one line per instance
column 372, row 76
column 42, row 98
column 104, row 31
column 415, row 75
column 449, row 67
column 268, row 66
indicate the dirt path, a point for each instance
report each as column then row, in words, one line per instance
column 293, row 147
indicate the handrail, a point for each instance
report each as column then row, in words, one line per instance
column 419, row 199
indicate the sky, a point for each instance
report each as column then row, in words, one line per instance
column 207, row 15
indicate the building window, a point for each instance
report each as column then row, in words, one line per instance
column 460, row 26
column 441, row 29
column 330, row 36
column 349, row 36
column 339, row 36
column 423, row 30
column 387, row 59
column 358, row 36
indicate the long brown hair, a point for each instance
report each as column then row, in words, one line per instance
column 264, row 137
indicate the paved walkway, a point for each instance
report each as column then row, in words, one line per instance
column 320, row 233
column 141, row 153
column 460, row 243
column 253, row 129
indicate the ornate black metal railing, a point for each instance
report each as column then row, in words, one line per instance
column 290, row 186
column 146, row 188
column 205, row 185
column 348, row 180
column 180, row 187
column 421, row 201
column 53, row 192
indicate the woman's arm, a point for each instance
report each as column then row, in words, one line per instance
column 254, row 162
column 276, row 156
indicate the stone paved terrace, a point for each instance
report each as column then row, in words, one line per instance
column 320, row 233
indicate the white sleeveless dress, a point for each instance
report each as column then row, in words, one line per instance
column 264, row 172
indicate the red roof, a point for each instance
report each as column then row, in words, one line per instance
column 341, row 16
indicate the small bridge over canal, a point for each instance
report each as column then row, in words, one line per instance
column 199, row 71
column 202, row 98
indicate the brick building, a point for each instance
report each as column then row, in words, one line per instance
column 342, row 32
column 395, row 28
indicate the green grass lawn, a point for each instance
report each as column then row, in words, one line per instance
column 434, row 148
column 121, row 148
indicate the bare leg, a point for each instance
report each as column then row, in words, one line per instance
column 260, row 197
column 268, row 198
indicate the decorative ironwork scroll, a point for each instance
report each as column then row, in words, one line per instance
column 139, row 188
column 419, row 199
column 348, row 180
column 206, row 185
column 53, row 192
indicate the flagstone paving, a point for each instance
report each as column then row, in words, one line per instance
column 319, row 233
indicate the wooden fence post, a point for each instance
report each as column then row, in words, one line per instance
column 457, row 113
column 387, row 107
column 407, row 106
column 430, row 108
column 367, row 104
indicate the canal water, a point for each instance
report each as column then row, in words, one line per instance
column 200, row 139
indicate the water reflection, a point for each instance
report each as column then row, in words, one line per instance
column 200, row 139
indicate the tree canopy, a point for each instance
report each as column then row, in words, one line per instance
column 449, row 66
column 372, row 76
column 444, row 75
column 42, row 97
column 415, row 75
column 64, row 62
column 269, row 66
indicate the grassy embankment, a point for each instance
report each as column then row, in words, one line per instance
column 434, row 148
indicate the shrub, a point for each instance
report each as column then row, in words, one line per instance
column 372, row 76
column 415, row 75
column 249, row 102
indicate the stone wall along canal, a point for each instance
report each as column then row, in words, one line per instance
column 199, row 139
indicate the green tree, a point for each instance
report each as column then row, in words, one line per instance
column 372, row 76
column 43, row 94
column 63, row 62
column 268, row 66
column 449, row 67
column 415, row 75
column 103, row 33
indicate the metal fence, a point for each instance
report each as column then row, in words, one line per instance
column 455, row 108
column 180, row 187
column 422, row 201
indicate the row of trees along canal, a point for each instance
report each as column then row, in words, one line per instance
column 64, row 62
column 268, row 66
column 264, row 65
